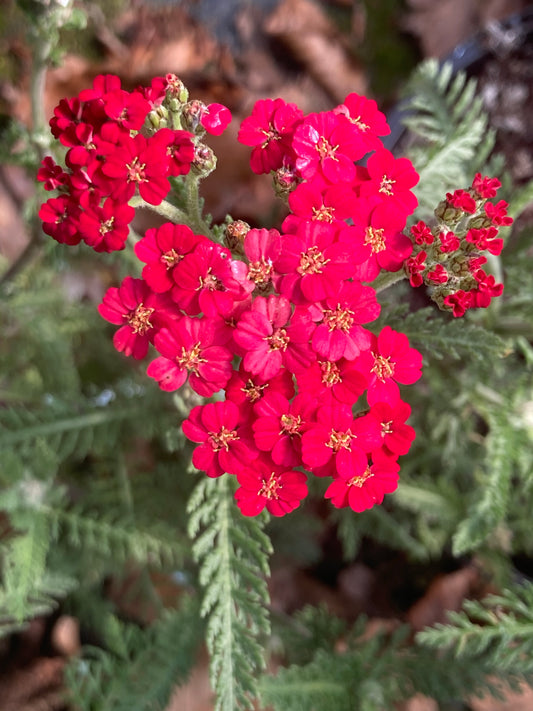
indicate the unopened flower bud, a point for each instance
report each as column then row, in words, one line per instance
column 192, row 114
column 234, row 235
column 176, row 89
column 285, row 181
column 449, row 214
column 156, row 119
column 205, row 160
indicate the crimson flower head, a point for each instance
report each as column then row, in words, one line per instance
column 339, row 333
column 60, row 217
column 269, row 129
column 246, row 389
column 312, row 265
column 162, row 249
column 268, row 485
column 105, row 228
column 205, row 282
column 138, row 311
column 366, row 486
column 389, row 361
column 332, row 381
column 337, row 442
column 325, row 142
column 261, row 247
column 225, row 446
column 390, row 181
column 279, row 426
column 128, row 109
column 141, row 163
column 215, row 119
column 194, row 348
column 485, row 187
column 366, row 118
column 268, row 339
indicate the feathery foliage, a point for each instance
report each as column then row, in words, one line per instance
column 142, row 672
column 447, row 118
column 498, row 630
column 232, row 552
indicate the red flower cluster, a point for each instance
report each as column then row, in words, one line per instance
column 114, row 151
column 449, row 257
column 279, row 326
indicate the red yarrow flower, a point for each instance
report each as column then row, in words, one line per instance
column 194, row 348
column 312, row 266
column 269, row 129
column 269, row 341
column 138, row 311
column 337, row 442
column 396, row 435
column 162, row 249
column 484, row 186
column 246, row 389
column 326, row 143
column 141, row 163
column 215, row 118
column 105, row 228
column 279, row 426
column 224, row 444
column 367, row 486
column 389, row 361
column 268, row 485
column 497, row 213
column 366, row 118
column 391, row 180
column 339, row 333
column 332, row 381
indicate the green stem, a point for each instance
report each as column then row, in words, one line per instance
column 193, row 206
column 165, row 209
column 386, row 279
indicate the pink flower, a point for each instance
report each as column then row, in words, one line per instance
column 397, row 436
column 269, row 129
column 261, row 248
column 246, row 389
column 377, row 231
column 339, row 333
column 497, row 213
column 141, row 163
column 391, row 180
column 192, row 347
column 332, row 381
column 162, row 249
column 365, row 117
column 337, row 442
column 485, row 187
column 106, row 228
column 267, row 485
column 326, row 143
column 138, row 311
column 462, row 200
column 389, row 360
column 421, row 233
column 279, row 425
column 414, row 266
column 312, row 266
column 458, row 302
column 365, row 487
column 269, row 341
column 224, row 444
column 204, row 281
column 215, row 119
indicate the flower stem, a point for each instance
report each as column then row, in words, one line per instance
column 386, row 279
column 198, row 225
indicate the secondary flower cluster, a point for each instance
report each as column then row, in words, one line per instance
column 120, row 142
column 448, row 258
column 275, row 325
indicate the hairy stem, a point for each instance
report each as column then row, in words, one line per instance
column 386, row 279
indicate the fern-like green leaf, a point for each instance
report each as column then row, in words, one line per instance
column 448, row 119
column 232, row 552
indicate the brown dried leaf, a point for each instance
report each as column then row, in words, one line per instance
column 446, row 592
column 37, row 687
column 306, row 31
